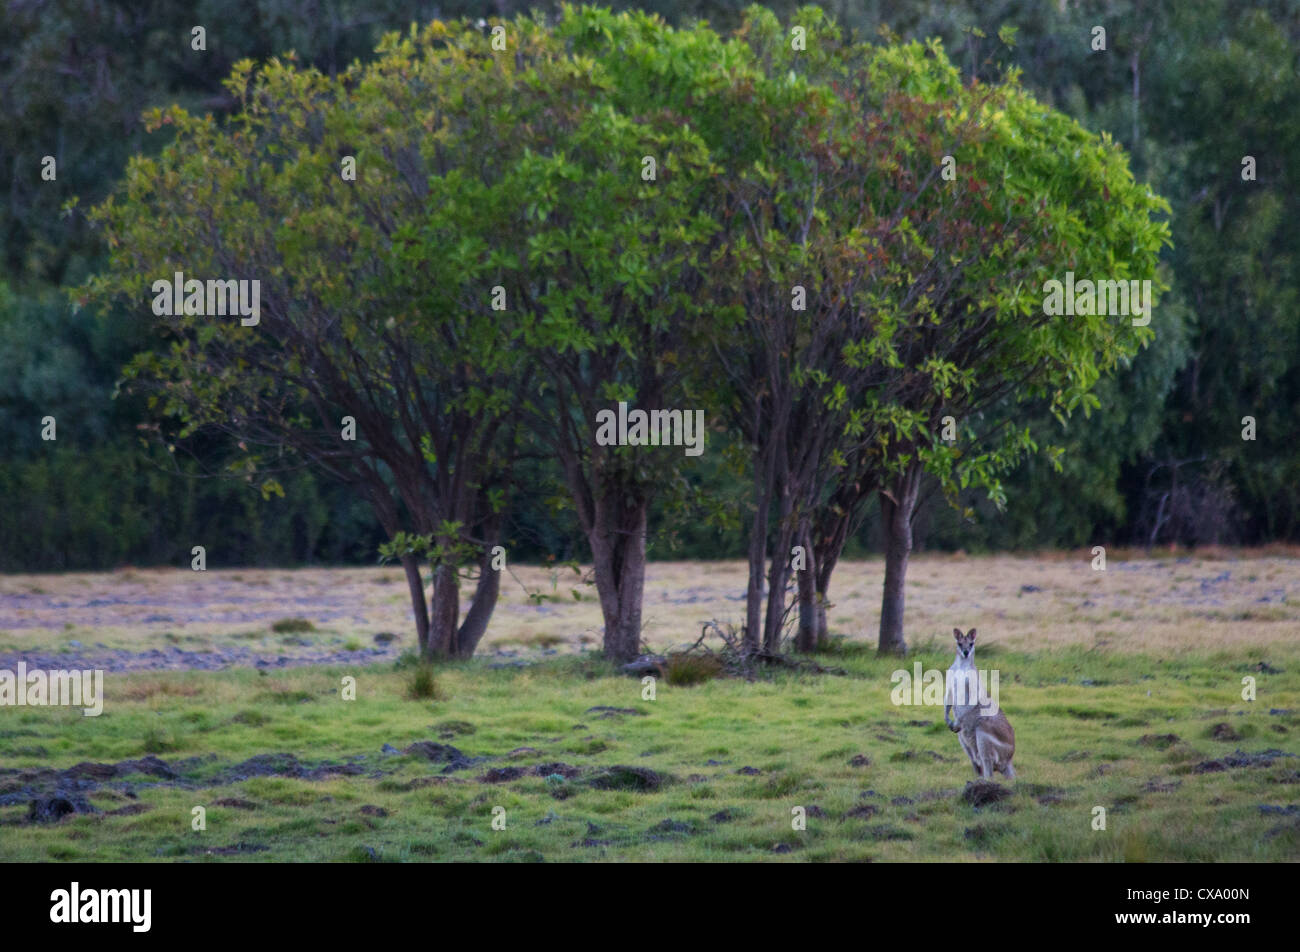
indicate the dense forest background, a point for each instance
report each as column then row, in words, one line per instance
column 1190, row 90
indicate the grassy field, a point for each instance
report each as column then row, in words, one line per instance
column 1124, row 688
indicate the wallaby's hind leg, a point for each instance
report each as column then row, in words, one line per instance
column 994, row 756
column 971, row 752
column 987, row 751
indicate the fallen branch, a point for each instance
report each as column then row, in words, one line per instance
column 735, row 658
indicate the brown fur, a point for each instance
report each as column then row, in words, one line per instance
column 989, row 742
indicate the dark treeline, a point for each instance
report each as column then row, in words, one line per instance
column 1190, row 91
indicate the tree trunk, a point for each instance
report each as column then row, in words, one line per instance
column 757, row 553
column 418, row 605
column 776, row 580
column 812, row 614
column 444, row 612
column 827, row 559
column 896, row 509
column 618, row 540
column 828, row 533
column 823, row 632
column 386, row 512
column 474, row 627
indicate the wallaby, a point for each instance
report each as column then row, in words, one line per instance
column 984, row 731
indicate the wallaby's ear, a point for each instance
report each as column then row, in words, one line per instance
column 956, row 633
column 972, row 634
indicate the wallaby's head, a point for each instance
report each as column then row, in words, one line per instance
column 965, row 643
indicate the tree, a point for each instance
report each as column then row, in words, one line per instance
column 977, row 333
column 796, row 264
column 372, row 358
column 937, row 321
column 605, row 290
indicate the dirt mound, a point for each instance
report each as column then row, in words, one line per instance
column 281, row 765
column 51, row 809
column 605, row 711
column 45, row 789
column 506, row 774
column 979, row 793
column 235, row 803
column 442, row 754
column 622, row 777
column 1239, row 758
column 672, row 826
column 1159, row 741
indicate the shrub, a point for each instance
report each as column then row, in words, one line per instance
column 423, row 686
column 292, row 626
column 684, row 670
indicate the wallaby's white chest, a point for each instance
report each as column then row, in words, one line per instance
column 961, row 686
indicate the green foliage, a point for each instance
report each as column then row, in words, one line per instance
column 77, row 79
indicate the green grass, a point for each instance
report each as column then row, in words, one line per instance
column 886, row 781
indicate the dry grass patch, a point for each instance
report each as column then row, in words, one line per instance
column 1158, row 603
